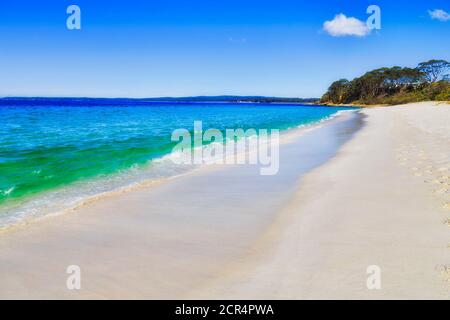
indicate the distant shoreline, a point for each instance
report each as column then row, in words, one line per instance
column 143, row 101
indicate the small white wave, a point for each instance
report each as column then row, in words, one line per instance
column 7, row 192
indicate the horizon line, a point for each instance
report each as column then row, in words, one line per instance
column 229, row 96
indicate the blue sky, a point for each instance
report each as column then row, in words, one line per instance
column 196, row 47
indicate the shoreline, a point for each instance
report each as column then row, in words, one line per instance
column 362, row 105
column 175, row 235
column 372, row 193
column 286, row 134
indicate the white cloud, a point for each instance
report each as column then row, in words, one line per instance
column 439, row 14
column 342, row 26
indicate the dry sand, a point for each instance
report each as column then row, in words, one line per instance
column 229, row 233
column 383, row 200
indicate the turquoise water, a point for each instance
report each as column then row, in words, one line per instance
column 47, row 150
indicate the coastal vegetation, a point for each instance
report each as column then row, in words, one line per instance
column 396, row 85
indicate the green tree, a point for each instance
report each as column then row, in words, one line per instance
column 434, row 70
column 394, row 85
column 337, row 91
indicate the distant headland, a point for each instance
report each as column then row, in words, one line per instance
column 429, row 81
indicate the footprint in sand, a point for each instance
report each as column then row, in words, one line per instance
column 441, row 191
column 445, row 272
column 439, row 181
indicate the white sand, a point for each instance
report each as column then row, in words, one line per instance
column 382, row 201
column 230, row 233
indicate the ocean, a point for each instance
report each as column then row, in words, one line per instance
column 55, row 155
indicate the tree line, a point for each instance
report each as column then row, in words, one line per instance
column 428, row 81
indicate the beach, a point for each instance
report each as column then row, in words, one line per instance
column 367, row 188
